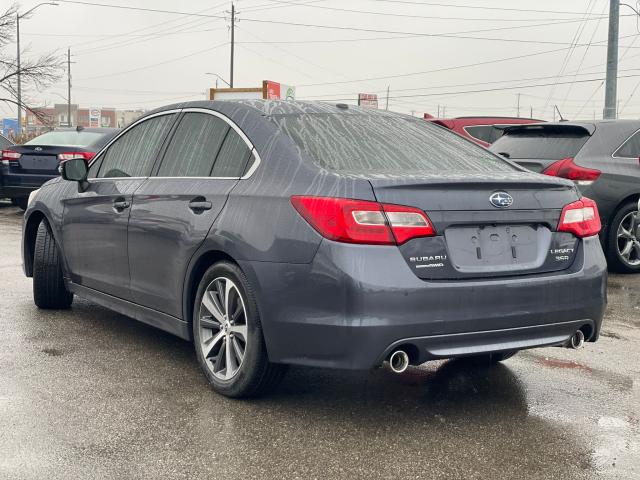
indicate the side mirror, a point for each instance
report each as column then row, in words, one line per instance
column 76, row 170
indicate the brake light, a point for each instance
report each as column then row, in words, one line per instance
column 566, row 168
column 580, row 218
column 362, row 221
column 10, row 156
column 71, row 155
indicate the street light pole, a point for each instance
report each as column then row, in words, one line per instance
column 19, row 73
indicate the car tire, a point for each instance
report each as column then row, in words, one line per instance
column 624, row 233
column 228, row 317
column 49, row 290
column 20, row 202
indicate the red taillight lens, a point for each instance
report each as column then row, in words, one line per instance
column 580, row 218
column 362, row 221
column 10, row 156
column 566, row 168
column 71, row 155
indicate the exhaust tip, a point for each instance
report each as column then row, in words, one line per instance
column 577, row 340
column 399, row 361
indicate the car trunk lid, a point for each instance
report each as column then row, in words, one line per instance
column 479, row 235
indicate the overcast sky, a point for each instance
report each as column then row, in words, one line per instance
column 126, row 58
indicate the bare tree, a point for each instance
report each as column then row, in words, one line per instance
column 36, row 72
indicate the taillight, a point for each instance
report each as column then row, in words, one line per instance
column 580, row 218
column 10, row 156
column 566, row 168
column 362, row 221
column 71, row 155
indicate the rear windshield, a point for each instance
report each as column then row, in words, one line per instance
column 66, row 139
column 545, row 144
column 354, row 143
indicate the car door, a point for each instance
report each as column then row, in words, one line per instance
column 94, row 229
column 174, row 209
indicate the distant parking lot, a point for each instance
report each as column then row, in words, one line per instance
column 88, row 393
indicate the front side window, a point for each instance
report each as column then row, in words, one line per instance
column 630, row 148
column 232, row 158
column 133, row 153
column 379, row 144
column 194, row 146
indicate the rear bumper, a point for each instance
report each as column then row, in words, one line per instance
column 20, row 185
column 353, row 304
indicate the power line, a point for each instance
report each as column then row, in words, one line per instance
column 479, row 7
column 431, row 87
column 404, row 15
column 156, row 64
column 457, row 93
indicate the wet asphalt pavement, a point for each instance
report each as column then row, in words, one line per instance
column 88, row 393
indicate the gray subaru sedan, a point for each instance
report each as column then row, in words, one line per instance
column 273, row 233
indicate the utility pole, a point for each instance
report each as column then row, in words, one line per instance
column 19, row 72
column 69, row 87
column 518, row 108
column 438, row 112
column 611, row 86
column 387, row 106
column 233, row 24
column 531, row 111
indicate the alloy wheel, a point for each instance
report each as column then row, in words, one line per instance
column 223, row 328
column 628, row 239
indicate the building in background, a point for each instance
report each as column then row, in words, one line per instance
column 42, row 119
column 127, row 117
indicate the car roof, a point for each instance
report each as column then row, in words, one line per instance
column 281, row 107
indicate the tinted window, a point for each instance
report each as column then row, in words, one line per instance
column 71, row 138
column 4, row 142
column 630, row 148
column 133, row 154
column 380, row 143
column 481, row 132
column 232, row 158
column 542, row 143
column 194, row 146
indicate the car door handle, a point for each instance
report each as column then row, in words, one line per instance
column 199, row 205
column 121, row 204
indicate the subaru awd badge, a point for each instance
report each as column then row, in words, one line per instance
column 501, row 200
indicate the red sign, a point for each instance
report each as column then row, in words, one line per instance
column 273, row 90
column 368, row 100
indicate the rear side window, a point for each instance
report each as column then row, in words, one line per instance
column 133, row 154
column 542, row 143
column 233, row 157
column 194, row 146
column 630, row 148
column 360, row 143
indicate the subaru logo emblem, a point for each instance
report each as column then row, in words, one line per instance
column 38, row 149
column 501, row 200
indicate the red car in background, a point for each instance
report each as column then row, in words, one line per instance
column 482, row 130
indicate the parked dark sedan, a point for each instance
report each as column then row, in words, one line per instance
column 24, row 168
column 275, row 233
column 603, row 160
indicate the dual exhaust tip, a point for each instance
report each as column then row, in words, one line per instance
column 399, row 359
